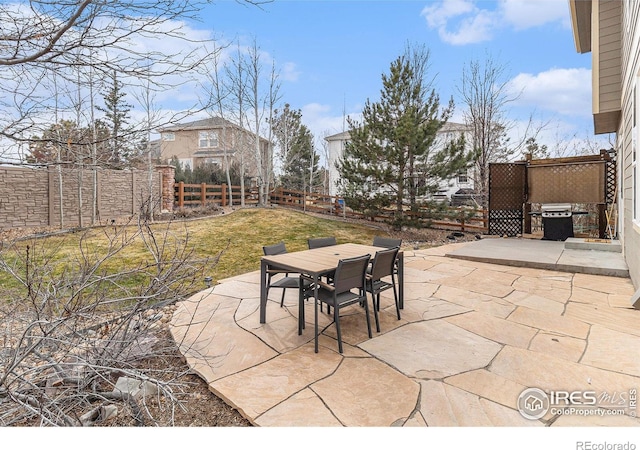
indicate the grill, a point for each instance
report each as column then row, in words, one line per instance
column 556, row 210
column 557, row 221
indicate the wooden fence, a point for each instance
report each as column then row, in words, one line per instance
column 463, row 219
column 194, row 195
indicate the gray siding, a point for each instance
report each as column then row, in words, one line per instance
column 630, row 233
column 609, row 53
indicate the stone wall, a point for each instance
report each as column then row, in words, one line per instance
column 30, row 197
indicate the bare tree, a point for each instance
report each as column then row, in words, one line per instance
column 485, row 93
column 42, row 37
column 238, row 86
column 260, row 102
column 74, row 329
column 272, row 98
column 216, row 93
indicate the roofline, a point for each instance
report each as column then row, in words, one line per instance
column 581, row 24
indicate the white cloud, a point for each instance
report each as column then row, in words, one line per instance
column 523, row 14
column 290, row 72
column 563, row 91
column 461, row 22
column 439, row 14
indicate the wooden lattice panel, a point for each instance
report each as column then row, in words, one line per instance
column 567, row 183
column 505, row 222
column 611, row 181
column 507, row 193
column 507, row 185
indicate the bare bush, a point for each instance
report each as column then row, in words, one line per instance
column 77, row 324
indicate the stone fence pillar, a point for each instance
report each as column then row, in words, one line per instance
column 167, row 182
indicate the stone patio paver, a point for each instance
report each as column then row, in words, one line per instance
column 472, row 337
column 263, row 386
column 535, row 301
column 357, row 397
column 486, row 384
column 623, row 320
column 304, row 408
column 478, row 302
column 432, row 349
column 550, row 322
column 560, row 346
column 609, row 349
column 443, row 405
column 495, row 329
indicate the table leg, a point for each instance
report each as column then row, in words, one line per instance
column 263, row 291
column 315, row 306
column 401, row 280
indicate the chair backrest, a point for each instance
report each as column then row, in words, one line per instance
column 379, row 241
column 275, row 249
column 321, row 242
column 383, row 263
column 351, row 273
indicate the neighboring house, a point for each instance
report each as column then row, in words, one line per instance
column 207, row 141
column 610, row 30
column 449, row 131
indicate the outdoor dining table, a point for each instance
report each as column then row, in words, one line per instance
column 317, row 263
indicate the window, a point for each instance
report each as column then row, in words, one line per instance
column 168, row 136
column 463, row 178
column 208, row 139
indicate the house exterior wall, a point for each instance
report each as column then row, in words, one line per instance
column 606, row 47
column 336, row 144
column 593, row 23
column 628, row 188
column 239, row 145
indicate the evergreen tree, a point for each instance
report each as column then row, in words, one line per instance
column 68, row 142
column 296, row 151
column 535, row 150
column 391, row 157
column 301, row 163
column 116, row 110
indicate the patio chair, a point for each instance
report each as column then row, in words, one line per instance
column 321, row 242
column 382, row 266
column 380, row 241
column 349, row 277
column 286, row 281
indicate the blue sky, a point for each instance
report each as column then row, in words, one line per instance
column 331, row 54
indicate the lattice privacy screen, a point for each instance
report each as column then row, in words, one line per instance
column 507, row 193
column 567, row 183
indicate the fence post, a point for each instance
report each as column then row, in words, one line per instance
column 203, row 193
column 223, row 193
column 181, row 194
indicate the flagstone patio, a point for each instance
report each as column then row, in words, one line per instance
column 473, row 336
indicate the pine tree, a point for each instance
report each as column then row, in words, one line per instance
column 301, row 162
column 392, row 157
column 116, row 110
column 296, row 151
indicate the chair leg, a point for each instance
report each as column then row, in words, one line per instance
column 336, row 319
column 366, row 311
column 300, row 309
column 375, row 311
column 395, row 296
